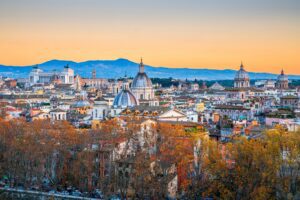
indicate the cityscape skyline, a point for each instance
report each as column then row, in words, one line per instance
column 197, row 34
column 160, row 99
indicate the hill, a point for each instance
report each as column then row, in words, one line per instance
column 120, row 67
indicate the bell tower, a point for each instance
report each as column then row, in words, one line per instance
column 94, row 74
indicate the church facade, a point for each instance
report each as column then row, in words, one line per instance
column 282, row 81
column 142, row 87
column 241, row 79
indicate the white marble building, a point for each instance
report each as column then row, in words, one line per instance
column 39, row 76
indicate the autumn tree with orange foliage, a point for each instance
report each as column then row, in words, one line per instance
column 178, row 145
column 264, row 168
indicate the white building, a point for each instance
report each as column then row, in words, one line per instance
column 39, row 76
column 100, row 108
column 173, row 115
column 265, row 83
column 216, row 86
column 58, row 115
column 235, row 113
column 192, row 116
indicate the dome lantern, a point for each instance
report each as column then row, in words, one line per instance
column 141, row 67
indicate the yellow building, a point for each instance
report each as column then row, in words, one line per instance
column 200, row 107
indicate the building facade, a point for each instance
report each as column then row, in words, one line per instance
column 37, row 76
column 141, row 85
column 242, row 79
column 282, row 81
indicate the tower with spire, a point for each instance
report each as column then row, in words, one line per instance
column 282, row 81
column 94, row 74
column 125, row 85
column 115, row 87
column 78, row 84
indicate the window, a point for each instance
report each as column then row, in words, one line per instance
column 126, row 174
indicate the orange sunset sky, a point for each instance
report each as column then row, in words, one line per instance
column 218, row 34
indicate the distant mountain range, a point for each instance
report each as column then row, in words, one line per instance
column 120, row 67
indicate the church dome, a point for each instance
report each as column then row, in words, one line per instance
column 242, row 74
column 282, row 76
column 141, row 80
column 125, row 99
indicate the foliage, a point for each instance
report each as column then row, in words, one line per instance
column 263, row 168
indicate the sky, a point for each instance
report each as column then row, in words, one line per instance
column 217, row 34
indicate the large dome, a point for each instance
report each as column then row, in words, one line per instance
column 141, row 80
column 241, row 74
column 282, row 76
column 125, row 99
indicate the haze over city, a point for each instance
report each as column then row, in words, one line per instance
column 212, row 34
